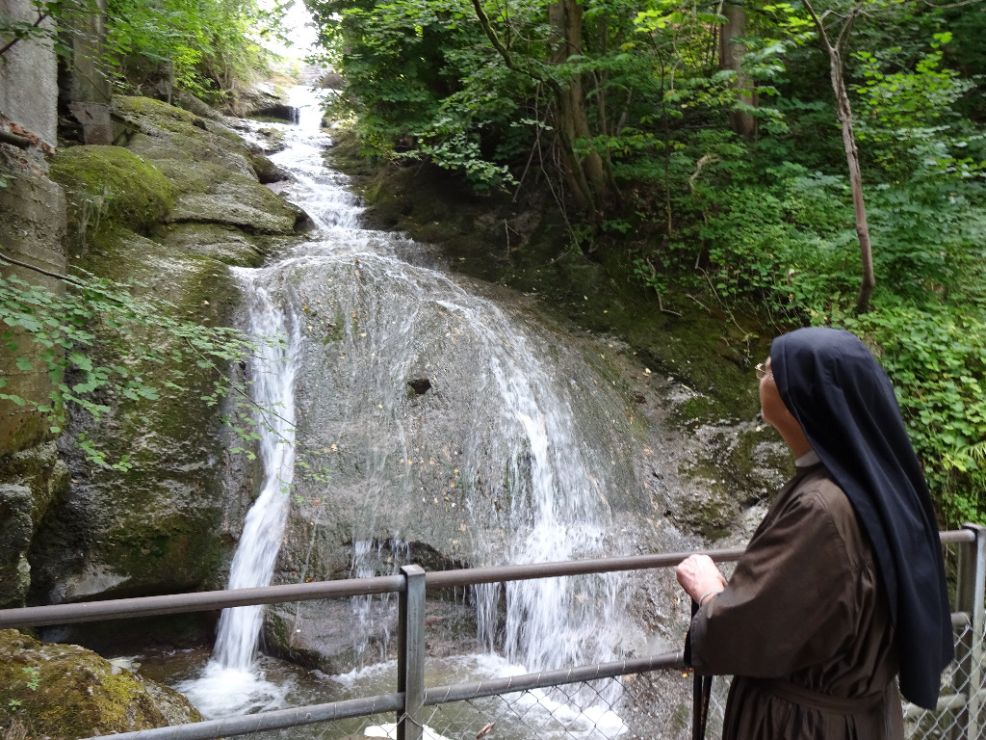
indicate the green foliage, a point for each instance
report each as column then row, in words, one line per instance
column 937, row 359
column 32, row 678
column 205, row 46
column 908, row 118
column 70, row 335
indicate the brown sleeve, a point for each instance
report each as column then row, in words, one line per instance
column 789, row 603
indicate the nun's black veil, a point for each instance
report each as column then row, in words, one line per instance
column 845, row 404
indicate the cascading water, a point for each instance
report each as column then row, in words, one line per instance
column 442, row 420
column 229, row 682
column 273, row 392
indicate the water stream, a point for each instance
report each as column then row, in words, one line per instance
column 443, row 419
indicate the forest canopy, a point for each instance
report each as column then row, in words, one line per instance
column 712, row 145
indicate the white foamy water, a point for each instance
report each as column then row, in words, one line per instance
column 230, row 683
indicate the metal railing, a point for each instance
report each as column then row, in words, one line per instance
column 960, row 711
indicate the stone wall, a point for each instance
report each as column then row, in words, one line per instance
column 29, row 77
column 32, row 231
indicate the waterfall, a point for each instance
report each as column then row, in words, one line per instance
column 273, row 376
column 512, row 452
column 229, row 682
column 507, row 457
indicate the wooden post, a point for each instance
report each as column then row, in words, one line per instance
column 970, row 595
column 411, row 653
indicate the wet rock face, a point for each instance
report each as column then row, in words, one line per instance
column 37, row 481
column 185, row 203
column 64, row 691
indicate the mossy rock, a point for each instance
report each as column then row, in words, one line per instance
column 159, row 131
column 65, row 691
column 215, row 175
column 238, row 201
column 221, row 242
column 748, row 466
column 110, row 185
column 155, row 116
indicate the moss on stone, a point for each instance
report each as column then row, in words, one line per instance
column 213, row 171
column 109, row 186
column 153, row 110
column 64, row 691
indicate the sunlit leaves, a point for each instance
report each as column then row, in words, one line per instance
column 208, row 44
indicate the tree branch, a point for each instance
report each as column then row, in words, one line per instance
column 58, row 276
column 847, row 26
column 8, row 138
column 502, row 50
column 819, row 25
column 491, row 34
column 38, row 22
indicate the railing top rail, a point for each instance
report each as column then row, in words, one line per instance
column 150, row 606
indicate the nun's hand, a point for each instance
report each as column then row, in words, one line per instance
column 700, row 577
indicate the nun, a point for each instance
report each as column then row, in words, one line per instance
column 840, row 594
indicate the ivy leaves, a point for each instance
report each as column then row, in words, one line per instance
column 53, row 333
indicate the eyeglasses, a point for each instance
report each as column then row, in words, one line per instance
column 763, row 370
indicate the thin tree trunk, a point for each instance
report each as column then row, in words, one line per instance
column 844, row 110
column 868, row 281
column 565, row 18
column 731, row 54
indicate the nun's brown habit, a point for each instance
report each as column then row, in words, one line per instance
column 842, row 585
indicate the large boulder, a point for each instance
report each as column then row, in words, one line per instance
column 65, row 691
column 169, row 214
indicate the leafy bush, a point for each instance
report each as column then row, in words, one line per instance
column 56, row 333
column 205, row 46
column 936, row 358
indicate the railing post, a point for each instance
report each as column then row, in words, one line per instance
column 970, row 597
column 411, row 653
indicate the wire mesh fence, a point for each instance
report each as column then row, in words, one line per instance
column 961, row 686
column 651, row 705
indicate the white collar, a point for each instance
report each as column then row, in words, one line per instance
column 807, row 460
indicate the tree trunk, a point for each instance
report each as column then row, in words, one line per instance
column 868, row 281
column 565, row 18
column 731, row 54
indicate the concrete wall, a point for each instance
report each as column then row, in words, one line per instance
column 29, row 77
column 31, row 230
column 33, row 208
